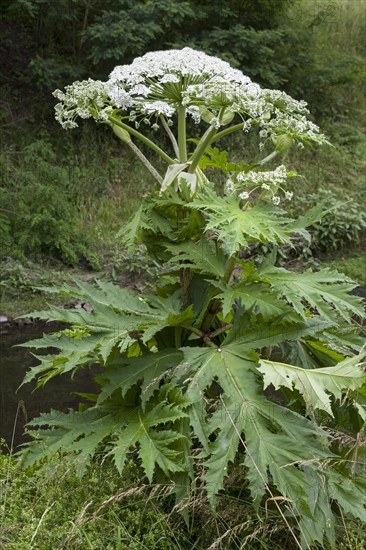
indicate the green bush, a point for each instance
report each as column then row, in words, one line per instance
column 39, row 214
column 343, row 224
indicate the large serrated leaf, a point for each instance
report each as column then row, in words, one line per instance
column 254, row 296
column 147, row 369
column 325, row 291
column 236, row 227
column 201, row 257
column 315, row 385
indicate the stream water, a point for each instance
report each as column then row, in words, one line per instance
column 17, row 406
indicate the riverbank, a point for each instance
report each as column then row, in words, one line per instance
column 23, row 284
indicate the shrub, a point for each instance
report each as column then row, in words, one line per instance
column 39, row 211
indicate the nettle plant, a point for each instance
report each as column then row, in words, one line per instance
column 231, row 360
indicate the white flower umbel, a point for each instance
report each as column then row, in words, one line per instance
column 270, row 182
column 194, row 79
column 162, row 83
column 86, row 99
column 166, row 87
column 266, row 180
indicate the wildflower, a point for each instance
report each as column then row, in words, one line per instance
column 289, row 195
column 244, row 195
column 276, row 200
column 86, row 99
column 230, row 188
column 276, row 177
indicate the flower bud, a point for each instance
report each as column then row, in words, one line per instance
column 121, row 133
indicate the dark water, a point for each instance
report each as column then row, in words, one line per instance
column 16, row 407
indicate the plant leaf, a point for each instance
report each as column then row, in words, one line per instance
column 313, row 384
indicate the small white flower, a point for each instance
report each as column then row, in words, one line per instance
column 140, row 89
column 194, row 111
column 157, row 108
column 276, row 200
column 169, row 77
column 265, row 186
column 289, row 195
column 244, row 195
column 230, row 188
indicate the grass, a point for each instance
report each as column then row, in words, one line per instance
column 353, row 267
column 55, row 508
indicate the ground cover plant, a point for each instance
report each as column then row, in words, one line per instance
column 232, row 360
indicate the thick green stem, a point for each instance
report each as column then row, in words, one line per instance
column 195, row 331
column 142, row 138
column 228, row 131
column 205, row 141
column 267, row 158
column 182, row 138
column 220, row 330
column 185, row 281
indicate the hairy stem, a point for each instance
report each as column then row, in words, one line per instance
column 171, row 135
column 182, row 138
column 145, row 161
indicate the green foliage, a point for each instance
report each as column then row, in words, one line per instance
column 352, row 267
column 342, row 225
column 230, row 363
column 38, row 210
column 56, row 507
column 184, row 371
column 284, row 43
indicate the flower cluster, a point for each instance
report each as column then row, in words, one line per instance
column 171, row 66
column 269, row 183
column 86, row 99
column 159, row 83
column 274, row 178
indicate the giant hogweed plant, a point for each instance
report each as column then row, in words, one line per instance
column 230, row 359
